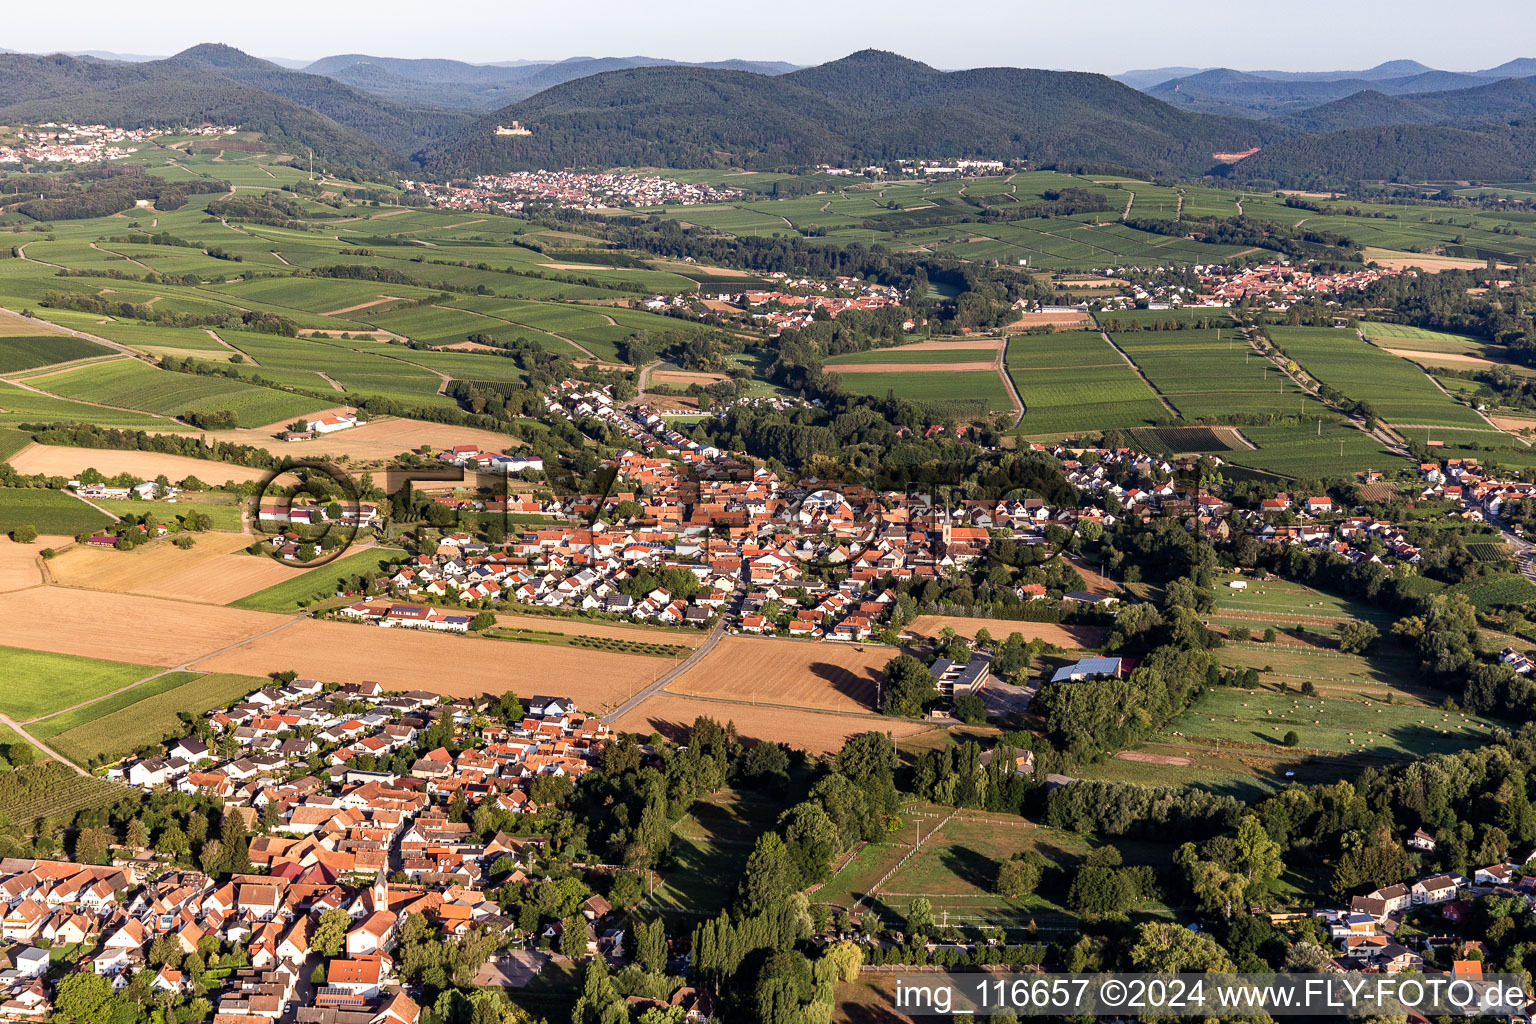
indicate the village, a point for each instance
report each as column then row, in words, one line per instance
column 65, row 143
column 513, row 193
column 354, row 806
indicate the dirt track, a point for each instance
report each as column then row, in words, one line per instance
column 912, row 367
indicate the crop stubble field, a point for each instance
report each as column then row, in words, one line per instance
column 216, row 570
column 796, row 673
column 817, row 732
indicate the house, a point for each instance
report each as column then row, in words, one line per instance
column 361, row 977
column 1438, row 889
column 1494, row 874
column 331, row 424
column 1421, row 840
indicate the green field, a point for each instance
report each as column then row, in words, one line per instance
column 135, row 385
column 114, row 728
column 1210, row 375
column 1397, row 390
column 907, row 355
column 42, row 683
column 1503, row 589
column 709, row 849
column 318, row 583
column 1075, row 381
column 49, row 511
column 45, row 349
column 54, row 792
column 1312, row 450
column 981, row 390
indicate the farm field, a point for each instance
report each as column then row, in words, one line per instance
column 294, row 586
column 40, row 683
column 53, row 791
column 912, row 354
column 1499, row 590
column 48, row 726
column 59, row 460
column 29, row 351
column 599, row 628
column 1070, row 637
column 1386, row 671
column 139, row 630
column 818, row 732
column 52, row 512
column 150, row 719
column 375, row 442
column 1395, row 388
column 18, row 405
column 789, row 673
column 1312, row 450
column 134, row 385
column 415, row 659
column 1206, row 376
column 216, row 570
column 1075, row 382
column 978, row 389
column 19, row 567
column 1278, row 601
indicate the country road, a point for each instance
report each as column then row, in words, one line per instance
column 612, row 717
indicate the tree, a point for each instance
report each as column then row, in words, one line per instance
column 211, row 857
column 971, row 709
column 482, row 620
column 651, row 945
column 783, row 987
column 1356, row 637
column 1290, row 739
column 165, row 951
column 81, row 997
column 24, row 534
column 766, row 760
column 330, row 936
column 1019, row 876
column 770, row 874
column 908, row 687
column 136, row 836
column 1168, row 948
column 573, row 936
column 91, row 845
column 920, row 915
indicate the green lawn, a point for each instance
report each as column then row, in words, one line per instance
column 41, row 683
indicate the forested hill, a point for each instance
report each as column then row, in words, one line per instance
column 869, row 107
column 134, row 95
column 223, row 85
column 1395, row 153
column 1512, row 99
column 400, row 127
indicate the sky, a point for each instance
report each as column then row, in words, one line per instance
column 1108, row 36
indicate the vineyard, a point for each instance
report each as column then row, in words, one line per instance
column 51, row 790
column 1077, row 381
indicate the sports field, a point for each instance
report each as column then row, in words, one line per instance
column 1076, row 381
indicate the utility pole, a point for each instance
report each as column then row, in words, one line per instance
column 311, row 165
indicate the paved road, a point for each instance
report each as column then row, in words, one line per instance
column 1522, row 549
column 693, row 659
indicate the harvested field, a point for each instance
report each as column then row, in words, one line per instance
column 817, row 732
column 363, row 305
column 685, row 377
column 1142, row 757
column 1028, row 320
column 1457, row 359
column 413, row 659
column 672, row 403
column 282, row 425
column 613, row 631
column 990, row 344
column 795, row 673
column 18, row 562
column 13, row 325
column 910, row 367
column 1513, row 424
column 1071, row 637
column 379, row 440
column 54, row 460
column 1097, row 582
column 141, row 630
column 1392, row 259
column 215, row 571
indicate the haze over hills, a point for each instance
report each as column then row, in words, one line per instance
column 1261, row 94
column 870, row 106
column 454, row 83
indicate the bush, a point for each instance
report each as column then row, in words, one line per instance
column 184, row 541
column 1291, row 739
column 1240, row 634
column 24, row 534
